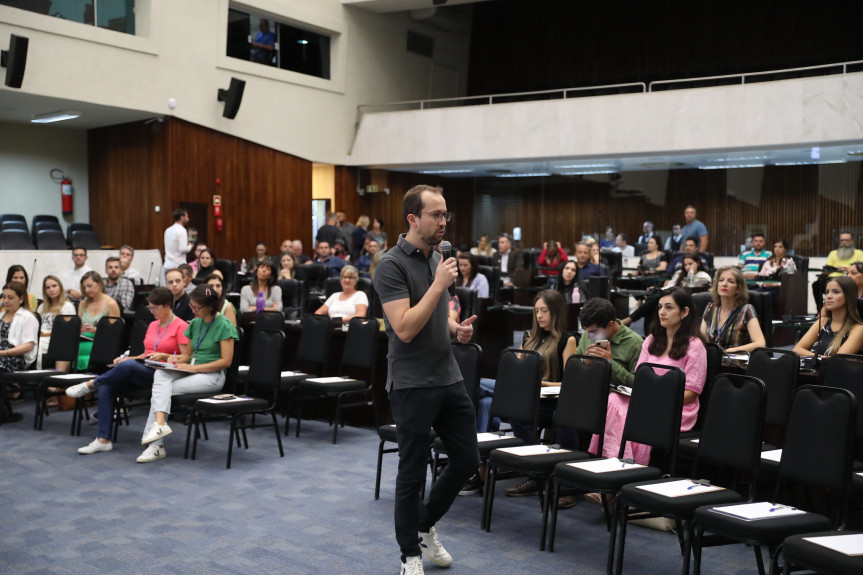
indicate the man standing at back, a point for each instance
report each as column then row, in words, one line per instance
column 694, row 228
column 424, row 383
column 177, row 243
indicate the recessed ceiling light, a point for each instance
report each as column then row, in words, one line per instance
column 730, row 166
column 303, row 42
column 54, row 117
column 525, row 175
column 446, row 171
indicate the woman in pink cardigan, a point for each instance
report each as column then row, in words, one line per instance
column 675, row 340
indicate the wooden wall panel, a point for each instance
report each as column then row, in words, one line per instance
column 266, row 194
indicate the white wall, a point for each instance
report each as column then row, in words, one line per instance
column 27, row 155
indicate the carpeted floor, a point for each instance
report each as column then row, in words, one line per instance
column 311, row 512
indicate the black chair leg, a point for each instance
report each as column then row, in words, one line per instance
column 380, row 466
column 553, row 527
column 278, row 435
column 188, row 438
column 299, row 414
column 622, row 519
column 690, row 533
column 337, row 418
column 546, row 501
column 759, row 559
column 488, row 499
column 697, row 547
column 231, row 441
column 612, row 535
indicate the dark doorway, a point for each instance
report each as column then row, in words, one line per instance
column 197, row 220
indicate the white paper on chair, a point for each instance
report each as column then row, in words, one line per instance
column 694, row 440
column 480, row 437
column 74, row 376
column 604, row 465
column 329, row 379
column 532, row 450
column 549, row 391
column 760, row 510
column 234, row 400
column 679, row 488
column 846, row 544
column 772, row 455
column 243, row 369
column 293, row 374
column 38, row 371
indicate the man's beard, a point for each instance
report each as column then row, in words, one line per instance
column 845, row 252
column 433, row 239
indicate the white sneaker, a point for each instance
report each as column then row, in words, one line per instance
column 412, row 566
column 79, row 390
column 156, row 432
column 152, row 453
column 433, row 550
column 95, row 447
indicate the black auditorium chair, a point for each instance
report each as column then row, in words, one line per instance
column 46, row 224
column 229, row 272
column 15, row 239
column 689, row 439
column 653, row 419
column 312, row 356
column 334, row 285
column 581, row 406
column 818, row 452
column 778, row 369
column 14, row 225
column 50, row 240
column 492, row 274
column 314, row 277
column 469, row 301
column 12, row 218
column 801, row 552
column 293, row 298
column 87, row 239
column 260, row 397
column 359, row 357
column 763, row 304
column 73, row 227
column 730, row 441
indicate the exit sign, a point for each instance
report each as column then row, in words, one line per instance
column 371, row 189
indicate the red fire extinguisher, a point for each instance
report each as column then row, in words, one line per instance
column 66, row 195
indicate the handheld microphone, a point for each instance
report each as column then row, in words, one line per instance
column 446, row 252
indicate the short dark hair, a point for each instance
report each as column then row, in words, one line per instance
column 160, row 296
column 79, row 248
column 597, row 311
column 111, row 259
column 624, row 237
column 179, row 213
column 204, row 296
column 758, row 235
column 413, row 200
column 186, row 269
column 695, row 239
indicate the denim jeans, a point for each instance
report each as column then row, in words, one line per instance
column 112, row 383
column 416, row 411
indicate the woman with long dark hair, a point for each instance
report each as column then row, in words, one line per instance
column 567, row 285
column 839, row 328
column 263, row 282
column 17, row 273
column 217, row 282
column 551, row 256
column 469, row 276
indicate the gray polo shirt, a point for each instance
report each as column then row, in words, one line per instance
column 404, row 272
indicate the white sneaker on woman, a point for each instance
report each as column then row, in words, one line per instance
column 155, row 432
column 152, row 453
column 95, row 447
column 79, row 390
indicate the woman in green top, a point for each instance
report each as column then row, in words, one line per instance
column 200, row 367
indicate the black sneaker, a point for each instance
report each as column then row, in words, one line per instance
column 473, row 485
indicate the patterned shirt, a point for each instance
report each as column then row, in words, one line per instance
column 122, row 292
column 751, row 260
column 733, row 332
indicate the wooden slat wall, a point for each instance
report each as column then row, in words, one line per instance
column 266, row 194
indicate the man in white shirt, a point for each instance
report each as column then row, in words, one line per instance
column 623, row 247
column 127, row 254
column 72, row 277
column 177, row 243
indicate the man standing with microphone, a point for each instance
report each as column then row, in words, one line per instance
column 424, row 383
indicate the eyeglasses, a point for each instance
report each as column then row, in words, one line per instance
column 438, row 216
column 194, row 307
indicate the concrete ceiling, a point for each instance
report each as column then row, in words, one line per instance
column 402, row 5
column 19, row 108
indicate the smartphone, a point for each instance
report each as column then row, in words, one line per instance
column 603, row 343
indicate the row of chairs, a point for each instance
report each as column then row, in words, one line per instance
column 45, row 233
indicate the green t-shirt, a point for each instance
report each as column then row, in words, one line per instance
column 625, row 350
column 205, row 338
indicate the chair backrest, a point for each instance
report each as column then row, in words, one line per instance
column 468, row 357
column 583, row 399
column 15, row 240
column 65, row 337
column 12, row 218
column 655, row 409
column 50, row 240
column 778, row 369
column 763, row 304
column 469, row 301
column 819, row 445
column 714, row 362
column 14, row 225
column 846, row 372
column 231, row 375
column 293, row 297
column 87, row 239
column 333, row 285
column 45, row 225
column 516, row 392
column 76, row 226
column 107, row 343
column 265, row 369
column 731, row 434
column 492, row 274
column 701, row 299
column 313, row 275
column 314, row 345
column 136, row 337
column 45, row 218
column 270, row 320
column 361, row 344
column 229, row 271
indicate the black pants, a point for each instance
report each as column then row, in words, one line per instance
column 416, row 411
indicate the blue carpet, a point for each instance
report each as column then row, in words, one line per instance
column 311, row 512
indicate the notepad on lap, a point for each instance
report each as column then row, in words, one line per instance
column 604, row 465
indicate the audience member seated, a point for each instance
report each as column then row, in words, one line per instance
column 507, row 259
column 855, row 272
column 325, row 257
column 674, row 340
column 750, row 261
column 595, row 257
column 72, row 277
column 609, row 241
column 127, row 254
column 117, row 287
column 226, row 308
column 164, row 339
column 348, row 303
column 206, row 263
column 260, row 255
column 469, row 276
column 364, row 263
column 769, row 276
column 95, row 305
column 199, row 247
column 730, row 320
column 17, row 273
column 621, row 246
column 647, row 233
column 674, row 243
column 681, row 278
column 288, row 266
column 839, row 328
column 585, row 267
column 567, row 285
column 483, row 248
column 843, row 256
column 188, row 274
column 551, row 257
column 19, row 329
column 690, row 248
column 376, row 259
column 206, row 357
column 174, row 282
column 54, row 303
column 377, row 234
column 340, row 250
column 653, row 261
column 263, row 282
column 455, row 309
column 297, row 246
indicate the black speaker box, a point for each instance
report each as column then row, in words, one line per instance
column 15, row 60
column 232, row 97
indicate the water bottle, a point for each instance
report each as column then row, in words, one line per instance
column 690, row 279
column 244, row 266
column 791, row 268
column 261, row 302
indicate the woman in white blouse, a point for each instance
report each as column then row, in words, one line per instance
column 348, row 303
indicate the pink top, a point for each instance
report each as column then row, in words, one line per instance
column 165, row 339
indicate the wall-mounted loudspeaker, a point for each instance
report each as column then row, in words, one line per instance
column 232, row 97
column 15, row 60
